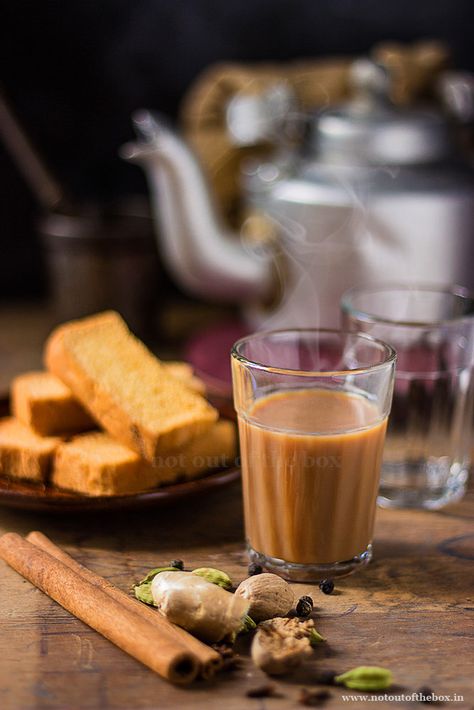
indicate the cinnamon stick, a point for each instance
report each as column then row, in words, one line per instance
column 210, row 661
column 95, row 607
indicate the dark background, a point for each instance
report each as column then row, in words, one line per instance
column 75, row 70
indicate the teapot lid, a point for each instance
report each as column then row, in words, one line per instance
column 370, row 130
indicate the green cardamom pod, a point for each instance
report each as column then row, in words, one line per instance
column 142, row 590
column 143, row 593
column 366, row 678
column 315, row 637
column 153, row 572
column 248, row 624
column 215, row 576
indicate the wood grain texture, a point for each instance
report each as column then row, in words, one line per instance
column 411, row 610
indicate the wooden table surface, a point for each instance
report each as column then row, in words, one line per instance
column 411, row 610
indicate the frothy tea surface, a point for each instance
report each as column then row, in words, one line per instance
column 310, row 465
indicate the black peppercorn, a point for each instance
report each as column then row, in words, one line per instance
column 326, row 586
column 254, row 568
column 304, row 606
column 179, row 564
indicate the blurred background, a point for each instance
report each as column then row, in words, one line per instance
column 77, row 232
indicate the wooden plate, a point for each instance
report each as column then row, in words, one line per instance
column 29, row 496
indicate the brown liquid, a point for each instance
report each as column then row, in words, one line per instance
column 310, row 497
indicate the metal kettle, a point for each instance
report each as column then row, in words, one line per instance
column 371, row 192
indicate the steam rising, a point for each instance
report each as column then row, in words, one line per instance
column 323, row 252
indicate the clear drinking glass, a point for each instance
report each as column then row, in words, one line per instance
column 312, row 409
column 427, row 449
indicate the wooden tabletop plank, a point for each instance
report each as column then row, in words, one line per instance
column 411, row 610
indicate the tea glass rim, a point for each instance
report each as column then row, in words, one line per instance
column 365, row 317
column 390, row 353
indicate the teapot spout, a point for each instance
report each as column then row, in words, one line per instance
column 206, row 258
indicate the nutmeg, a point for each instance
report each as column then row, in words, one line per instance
column 268, row 594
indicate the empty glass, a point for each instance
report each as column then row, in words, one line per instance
column 427, row 448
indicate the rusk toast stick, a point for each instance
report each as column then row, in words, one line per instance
column 124, row 387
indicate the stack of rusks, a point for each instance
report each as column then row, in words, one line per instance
column 107, row 417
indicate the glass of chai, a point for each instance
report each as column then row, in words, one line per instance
column 312, row 407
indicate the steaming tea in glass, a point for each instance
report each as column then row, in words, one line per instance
column 312, row 409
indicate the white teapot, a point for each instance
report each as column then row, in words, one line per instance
column 372, row 193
